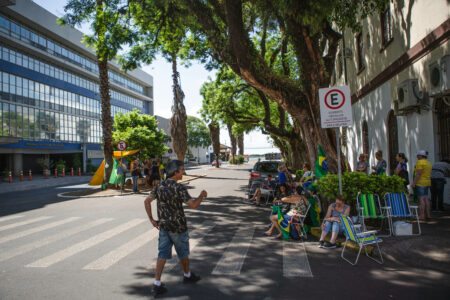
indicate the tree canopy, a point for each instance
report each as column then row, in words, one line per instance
column 198, row 133
column 139, row 131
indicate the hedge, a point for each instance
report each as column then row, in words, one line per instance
column 355, row 182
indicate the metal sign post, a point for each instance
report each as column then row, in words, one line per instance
column 339, row 160
column 336, row 112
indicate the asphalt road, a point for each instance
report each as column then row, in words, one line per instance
column 105, row 248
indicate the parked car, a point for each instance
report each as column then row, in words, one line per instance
column 259, row 173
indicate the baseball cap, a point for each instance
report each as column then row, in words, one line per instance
column 422, row 153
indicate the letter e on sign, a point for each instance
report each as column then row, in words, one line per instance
column 335, row 107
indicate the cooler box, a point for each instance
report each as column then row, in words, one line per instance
column 402, row 228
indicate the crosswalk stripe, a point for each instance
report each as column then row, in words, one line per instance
column 72, row 250
column 115, row 255
column 7, row 218
column 36, row 229
column 295, row 260
column 5, row 255
column 234, row 256
column 14, row 225
column 195, row 236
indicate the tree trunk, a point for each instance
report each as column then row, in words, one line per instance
column 107, row 120
column 214, row 131
column 240, row 141
column 178, row 129
column 233, row 141
column 297, row 153
column 281, row 144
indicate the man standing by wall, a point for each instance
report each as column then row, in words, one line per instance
column 439, row 172
column 172, row 224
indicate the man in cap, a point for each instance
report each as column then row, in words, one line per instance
column 422, row 183
column 172, row 224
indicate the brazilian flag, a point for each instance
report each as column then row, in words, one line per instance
column 113, row 178
column 321, row 167
column 314, row 214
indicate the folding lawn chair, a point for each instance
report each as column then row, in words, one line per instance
column 398, row 207
column 301, row 221
column 362, row 239
column 369, row 207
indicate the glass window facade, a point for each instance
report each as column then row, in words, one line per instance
column 31, row 63
column 33, row 110
column 29, row 36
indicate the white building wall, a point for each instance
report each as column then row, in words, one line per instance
column 374, row 108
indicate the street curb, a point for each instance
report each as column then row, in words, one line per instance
column 62, row 195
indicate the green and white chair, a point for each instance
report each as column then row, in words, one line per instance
column 362, row 239
column 369, row 208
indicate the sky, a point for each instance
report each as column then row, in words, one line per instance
column 192, row 79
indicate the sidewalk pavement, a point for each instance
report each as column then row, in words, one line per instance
column 96, row 192
column 428, row 252
column 41, row 182
column 91, row 191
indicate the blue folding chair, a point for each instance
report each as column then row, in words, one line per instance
column 398, row 207
column 362, row 239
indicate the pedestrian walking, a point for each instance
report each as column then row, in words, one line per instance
column 170, row 196
column 422, row 183
column 439, row 171
column 135, row 172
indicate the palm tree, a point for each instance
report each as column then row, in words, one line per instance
column 178, row 129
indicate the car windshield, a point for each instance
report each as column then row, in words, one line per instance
column 267, row 167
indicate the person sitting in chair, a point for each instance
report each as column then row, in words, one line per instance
column 307, row 177
column 293, row 214
column 333, row 223
column 267, row 187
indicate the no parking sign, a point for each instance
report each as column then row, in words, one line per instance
column 335, row 107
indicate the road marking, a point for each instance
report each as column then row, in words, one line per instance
column 115, row 255
column 72, row 250
column 4, row 255
column 234, row 256
column 195, row 236
column 14, row 225
column 36, row 229
column 7, row 218
column 295, row 260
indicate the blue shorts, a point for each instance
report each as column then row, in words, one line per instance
column 421, row 191
column 168, row 239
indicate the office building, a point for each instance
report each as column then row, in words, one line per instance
column 49, row 91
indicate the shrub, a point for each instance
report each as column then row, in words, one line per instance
column 355, row 182
column 60, row 165
column 236, row 160
column 76, row 161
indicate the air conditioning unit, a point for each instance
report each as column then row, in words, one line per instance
column 439, row 72
column 408, row 93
